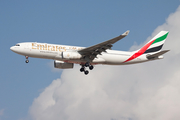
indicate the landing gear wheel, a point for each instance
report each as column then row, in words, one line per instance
column 82, row 69
column 86, row 72
column 27, row 61
column 86, row 64
column 91, row 67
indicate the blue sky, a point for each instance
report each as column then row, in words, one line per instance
column 79, row 23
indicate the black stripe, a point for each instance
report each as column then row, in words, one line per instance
column 154, row 49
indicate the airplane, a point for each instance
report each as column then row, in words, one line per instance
column 66, row 56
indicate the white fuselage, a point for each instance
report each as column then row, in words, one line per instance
column 66, row 56
column 54, row 51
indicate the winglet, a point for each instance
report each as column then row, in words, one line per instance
column 126, row 33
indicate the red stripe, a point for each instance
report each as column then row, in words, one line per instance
column 140, row 52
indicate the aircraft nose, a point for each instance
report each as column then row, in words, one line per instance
column 12, row 48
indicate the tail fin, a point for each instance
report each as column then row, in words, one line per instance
column 155, row 44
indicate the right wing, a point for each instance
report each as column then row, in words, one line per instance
column 92, row 51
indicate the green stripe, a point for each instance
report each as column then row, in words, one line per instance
column 160, row 38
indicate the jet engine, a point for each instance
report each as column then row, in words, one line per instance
column 62, row 65
column 71, row 55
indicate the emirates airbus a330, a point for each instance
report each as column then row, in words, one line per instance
column 66, row 56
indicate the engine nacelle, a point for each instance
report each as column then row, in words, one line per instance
column 71, row 55
column 63, row 65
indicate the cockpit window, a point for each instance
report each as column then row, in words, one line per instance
column 17, row 45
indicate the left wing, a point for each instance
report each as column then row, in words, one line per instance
column 93, row 51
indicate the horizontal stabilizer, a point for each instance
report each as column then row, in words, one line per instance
column 157, row 54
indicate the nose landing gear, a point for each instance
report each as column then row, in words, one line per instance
column 27, row 61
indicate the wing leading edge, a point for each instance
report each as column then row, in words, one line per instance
column 92, row 51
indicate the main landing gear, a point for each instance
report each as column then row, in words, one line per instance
column 27, row 59
column 83, row 68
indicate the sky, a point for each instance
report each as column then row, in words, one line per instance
column 37, row 91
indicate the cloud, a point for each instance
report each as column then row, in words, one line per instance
column 133, row 92
column 1, row 112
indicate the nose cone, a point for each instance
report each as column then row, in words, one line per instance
column 12, row 48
